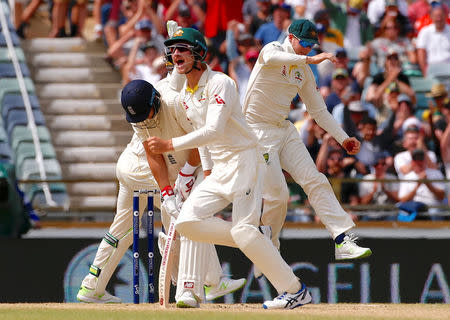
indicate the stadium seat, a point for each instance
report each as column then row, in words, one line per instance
column 22, row 134
column 422, row 100
column 30, row 169
column 5, row 151
column 15, row 101
column 439, row 70
column 419, row 84
column 27, row 150
column 14, row 38
column 10, row 85
column 3, row 136
column 19, row 118
column 5, row 57
column 7, row 70
column 58, row 190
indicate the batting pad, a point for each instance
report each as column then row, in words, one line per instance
column 192, row 267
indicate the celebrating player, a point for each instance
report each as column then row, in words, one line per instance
column 211, row 102
column 150, row 114
column 281, row 72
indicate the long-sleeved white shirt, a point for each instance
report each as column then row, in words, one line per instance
column 279, row 74
column 215, row 112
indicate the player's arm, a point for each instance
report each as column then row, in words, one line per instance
column 274, row 55
column 318, row 110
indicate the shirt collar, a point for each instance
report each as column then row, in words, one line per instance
column 202, row 82
column 287, row 46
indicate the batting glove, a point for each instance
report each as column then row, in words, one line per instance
column 185, row 181
column 172, row 27
column 169, row 202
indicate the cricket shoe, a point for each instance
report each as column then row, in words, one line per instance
column 267, row 232
column 289, row 300
column 224, row 287
column 348, row 249
column 89, row 296
column 188, row 299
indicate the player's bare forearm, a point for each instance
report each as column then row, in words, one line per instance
column 158, row 167
column 158, row 145
column 194, row 157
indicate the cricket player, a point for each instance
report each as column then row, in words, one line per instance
column 281, row 72
column 152, row 115
column 211, row 102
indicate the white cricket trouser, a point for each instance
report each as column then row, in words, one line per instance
column 287, row 151
column 133, row 173
column 235, row 179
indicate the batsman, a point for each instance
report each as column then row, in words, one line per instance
column 153, row 115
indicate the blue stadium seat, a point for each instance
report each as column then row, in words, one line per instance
column 27, row 151
column 5, row 151
column 13, row 101
column 22, row 134
column 11, row 85
column 30, row 169
column 7, row 70
column 14, row 38
column 19, row 117
column 439, row 70
column 5, row 56
column 419, row 84
column 10, row 26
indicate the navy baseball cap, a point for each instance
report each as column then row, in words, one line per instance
column 138, row 98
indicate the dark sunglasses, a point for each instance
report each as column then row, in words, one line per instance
column 181, row 47
column 304, row 43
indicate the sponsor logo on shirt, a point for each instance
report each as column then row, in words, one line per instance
column 189, row 285
column 219, row 99
column 283, row 71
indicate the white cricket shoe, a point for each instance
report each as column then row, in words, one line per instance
column 89, row 296
column 348, row 249
column 289, row 300
column 188, row 299
column 267, row 232
column 224, row 287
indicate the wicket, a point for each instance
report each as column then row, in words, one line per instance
column 150, row 251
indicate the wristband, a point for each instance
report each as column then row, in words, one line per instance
column 187, row 170
column 167, row 191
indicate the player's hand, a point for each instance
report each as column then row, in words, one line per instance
column 351, row 145
column 169, row 202
column 318, row 58
column 184, row 184
column 157, row 145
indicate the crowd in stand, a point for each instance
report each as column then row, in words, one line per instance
column 380, row 46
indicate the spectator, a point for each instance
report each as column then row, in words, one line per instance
column 352, row 22
column 330, row 161
column 445, row 147
column 436, row 107
column 390, row 41
column 78, row 15
column 22, row 16
column 426, row 192
column 404, row 116
column 377, row 8
column 326, row 69
column 392, row 73
column 372, row 143
column 188, row 14
column 340, row 90
column 379, row 192
column 271, row 31
column 312, row 135
column 305, row 8
column 263, row 15
column 426, row 19
column 433, row 41
column 141, row 68
column 58, row 13
column 363, row 67
column 413, row 139
column 392, row 13
column 240, row 69
column 419, row 9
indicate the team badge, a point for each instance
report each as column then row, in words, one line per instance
column 266, row 157
column 130, row 110
column 313, row 33
column 298, row 76
column 178, row 33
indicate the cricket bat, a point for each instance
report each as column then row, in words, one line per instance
column 165, row 271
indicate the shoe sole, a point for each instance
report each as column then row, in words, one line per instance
column 181, row 304
column 366, row 254
column 88, row 300
column 234, row 290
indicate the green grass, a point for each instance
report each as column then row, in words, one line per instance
column 219, row 312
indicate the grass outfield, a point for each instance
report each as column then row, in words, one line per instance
column 55, row 311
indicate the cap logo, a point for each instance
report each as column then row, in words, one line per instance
column 178, row 33
column 131, row 111
column 313, row 33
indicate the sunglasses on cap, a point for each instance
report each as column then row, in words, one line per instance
column 181, row 47
column 304, row 43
